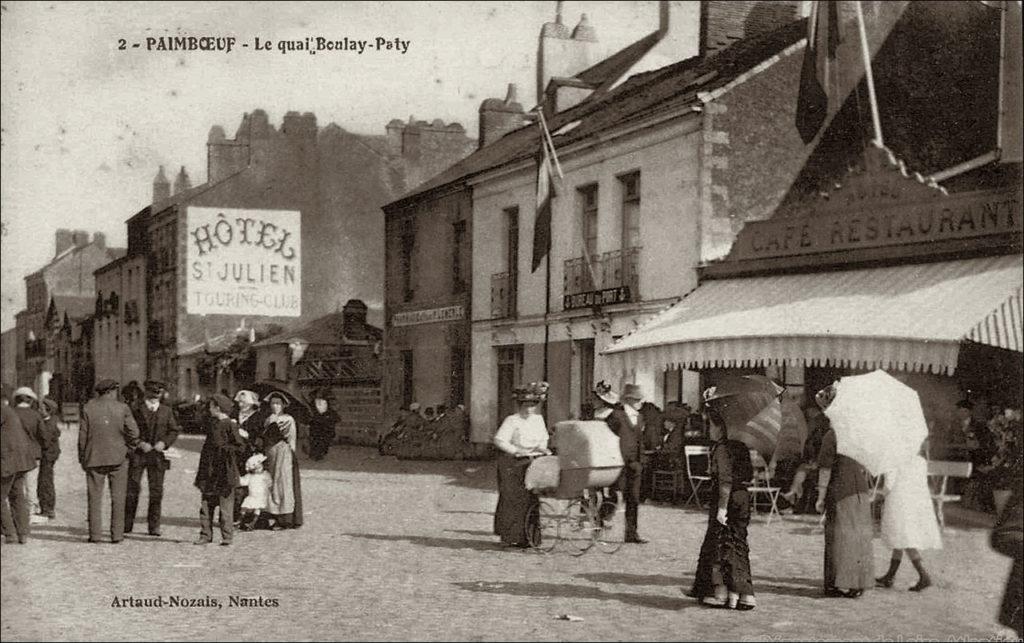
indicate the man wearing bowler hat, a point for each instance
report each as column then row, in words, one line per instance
column 107, row 432
column 157, row 431
column 628, row 424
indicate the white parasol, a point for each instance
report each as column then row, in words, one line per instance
column 878, row 421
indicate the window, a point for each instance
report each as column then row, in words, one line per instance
column 457, row 384
column 588, row 215
column 272, row 370
column 460, row 269
column 586, row 354
column 630, row 210
column 407, row 380
column 512, row 257
column 408, row 243
column 510, row 372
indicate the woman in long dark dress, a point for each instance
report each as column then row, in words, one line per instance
column 844, row 494
column 723, row 577
column 322, row 425
column 522, row 437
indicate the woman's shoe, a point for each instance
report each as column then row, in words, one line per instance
column 922, row 583
column 746, row 602
column 884, row 581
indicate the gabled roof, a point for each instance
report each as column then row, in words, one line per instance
column 74, row 307
column 671, row 87
column 322, row 330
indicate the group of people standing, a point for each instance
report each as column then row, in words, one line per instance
column 248, row 466
column 723, row 577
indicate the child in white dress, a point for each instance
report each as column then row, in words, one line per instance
column 908, row 520
column 258, row 481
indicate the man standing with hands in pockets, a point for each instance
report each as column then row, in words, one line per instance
column 106, row 433
column 157, row 431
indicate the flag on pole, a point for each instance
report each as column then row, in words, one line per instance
column 817, row 77
column 547, row 165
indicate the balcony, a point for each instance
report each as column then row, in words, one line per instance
column 613, row 278
column 504, row 291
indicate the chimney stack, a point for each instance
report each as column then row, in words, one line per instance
column 723, row 23
column 499, row 117
column 100, row 240
column 353, row 324
column 182, row 182
column 80, row 238
column 64, row 240
column 562, row 53
column 161, row 186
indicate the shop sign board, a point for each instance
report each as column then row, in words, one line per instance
column 243, row 262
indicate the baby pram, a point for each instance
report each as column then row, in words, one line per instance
column 572, row 508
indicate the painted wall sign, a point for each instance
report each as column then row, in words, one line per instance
column 606, row 297
column 243, row 262
column 429, row 316
column 872, row 225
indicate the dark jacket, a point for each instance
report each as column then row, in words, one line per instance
column 33, row 424
column 159, row 426
column 323, row 424
column 632, row 440
column 217, row 474
column 1008, row 539
column 106, row 432
column 15, row 445
column 51, row 442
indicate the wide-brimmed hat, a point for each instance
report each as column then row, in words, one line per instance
column 275, row 395
column 24, row 391
column 106, row 385
column 246, row 395
column 532, row 392
column 223, row 402
column 825, row 396
column 632, row 392
column 254, row 460
column 603, row 390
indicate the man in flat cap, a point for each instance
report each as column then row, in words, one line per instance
column 157, row 431
column 106, row 434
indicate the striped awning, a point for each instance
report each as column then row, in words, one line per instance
column 1002, row 327
column 909, row 317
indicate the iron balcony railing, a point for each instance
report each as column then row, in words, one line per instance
column 503, row 294
column 616, row 269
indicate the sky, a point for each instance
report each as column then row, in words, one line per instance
column 86, row 124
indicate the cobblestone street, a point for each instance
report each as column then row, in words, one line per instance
column 403, row 550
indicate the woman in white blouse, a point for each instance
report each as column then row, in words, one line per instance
column 522, row 437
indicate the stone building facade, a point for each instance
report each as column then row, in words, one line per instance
column 337, row 180
column 65, row 278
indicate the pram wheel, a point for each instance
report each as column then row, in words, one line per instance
column 542, row 526
column 608, row 531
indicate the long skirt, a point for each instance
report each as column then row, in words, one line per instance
column 849, row 559
column 725, row 555
column 514, row 501
column 281, row 465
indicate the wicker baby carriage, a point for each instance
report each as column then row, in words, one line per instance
column 573, row 508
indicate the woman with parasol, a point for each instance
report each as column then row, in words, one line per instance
column 908, row 520
column 723, row 577
column 844, row 495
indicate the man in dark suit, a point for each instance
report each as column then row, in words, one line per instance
column 157, row 431
column 106, row 433
column 628, row 424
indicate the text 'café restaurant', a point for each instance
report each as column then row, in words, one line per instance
column 884, row 272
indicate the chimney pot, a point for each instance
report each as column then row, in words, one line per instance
column 161, row 186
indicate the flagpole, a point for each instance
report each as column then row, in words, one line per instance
column 868, row 75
